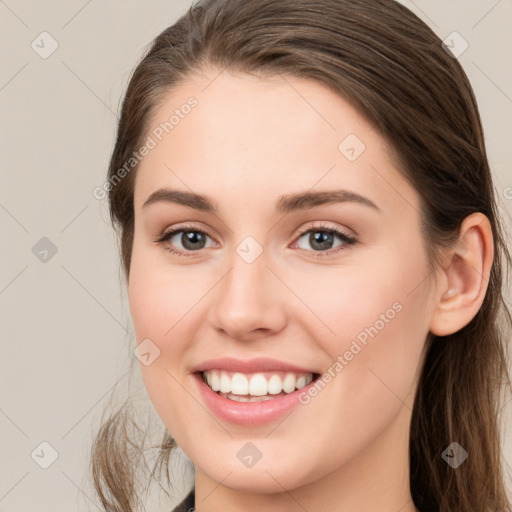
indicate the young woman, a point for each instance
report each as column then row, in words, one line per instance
column 314, row 263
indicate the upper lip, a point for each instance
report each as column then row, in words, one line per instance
column 259, row 364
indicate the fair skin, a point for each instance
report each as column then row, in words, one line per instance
column 248, row 142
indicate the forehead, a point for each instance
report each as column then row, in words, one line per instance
column 223, row 131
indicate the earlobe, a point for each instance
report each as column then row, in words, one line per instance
column 465, row 278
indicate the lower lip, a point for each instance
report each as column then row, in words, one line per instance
column 249, row 413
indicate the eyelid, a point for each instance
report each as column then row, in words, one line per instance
column 181, row 227
column 323, row 226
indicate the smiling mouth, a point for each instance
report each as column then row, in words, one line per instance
column 255, row 387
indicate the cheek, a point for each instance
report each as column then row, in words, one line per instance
column 158, row 295
column 157, row 303
column 159, row 312
column 373, row 321
column 380, row 322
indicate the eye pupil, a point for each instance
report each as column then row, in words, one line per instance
column 321, row 238
column 192, row 237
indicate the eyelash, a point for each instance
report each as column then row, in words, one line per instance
column 347, row 240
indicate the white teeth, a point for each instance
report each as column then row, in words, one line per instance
column 239, row 384
column 289, row 383
column 225, row 383
column 255, row 384
column 275, row 385
column 301, row 382
column 257, row 387
column 214, row 381
column 239, row 398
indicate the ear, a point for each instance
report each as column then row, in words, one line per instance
column 465, row 277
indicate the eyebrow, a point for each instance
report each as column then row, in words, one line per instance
column 286, row 203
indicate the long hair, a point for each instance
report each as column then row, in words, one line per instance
column 394, row 70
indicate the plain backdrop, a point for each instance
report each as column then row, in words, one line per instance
column 66, row 333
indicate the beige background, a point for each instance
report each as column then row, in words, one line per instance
column 66, row 330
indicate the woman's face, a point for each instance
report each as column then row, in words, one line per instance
column 259, row 275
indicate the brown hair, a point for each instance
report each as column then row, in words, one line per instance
column 391, row 66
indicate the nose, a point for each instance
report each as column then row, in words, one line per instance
column 249, row 301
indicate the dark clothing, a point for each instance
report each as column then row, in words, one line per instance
column 187, row 505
